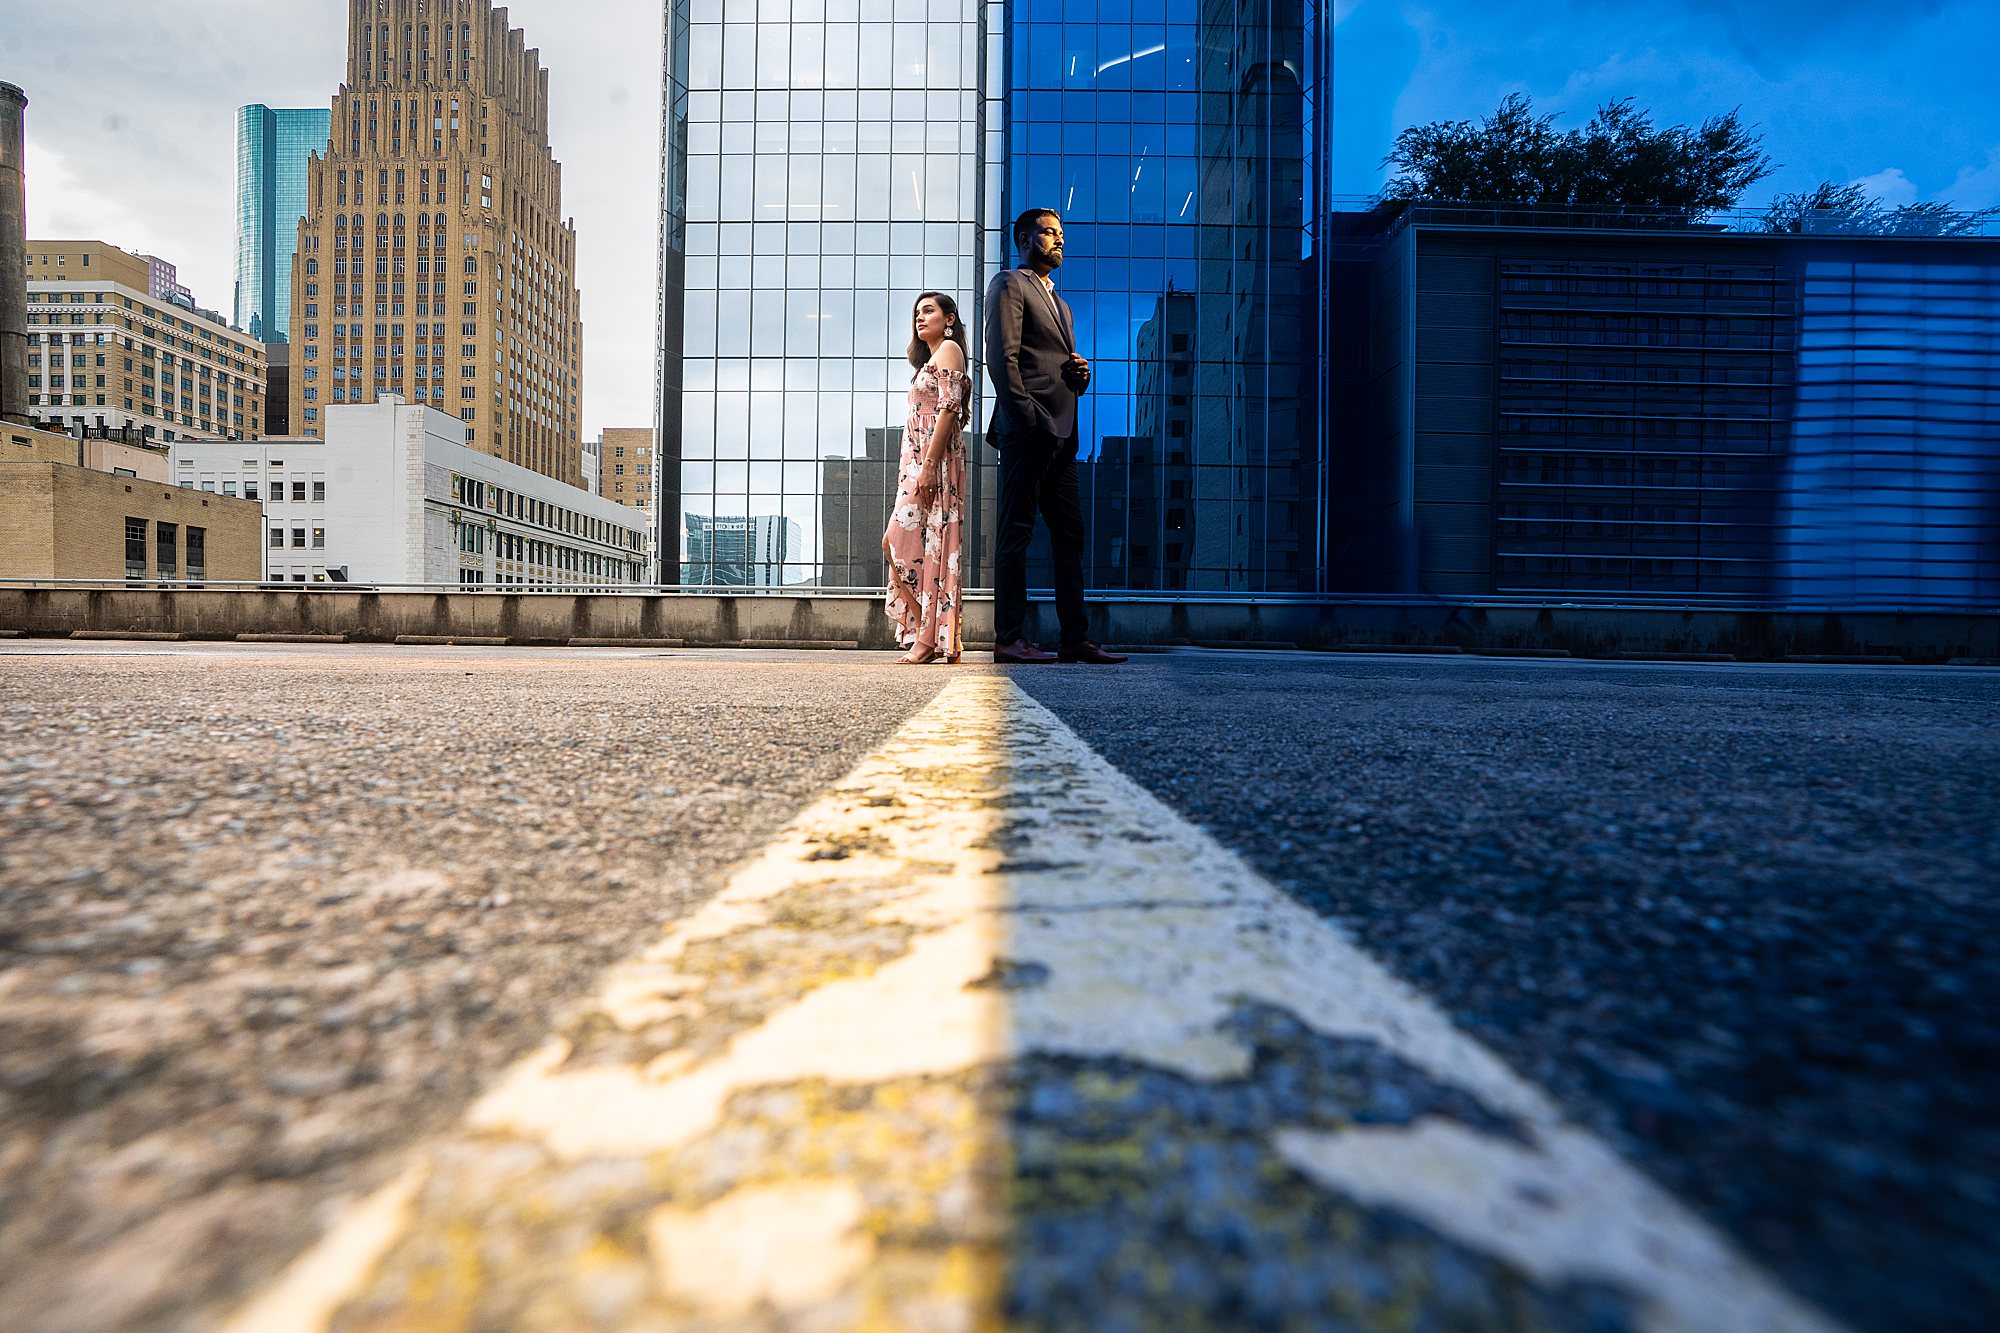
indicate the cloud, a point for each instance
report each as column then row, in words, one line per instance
column 1891, row 186
column 62, row 203
column 1977, row 186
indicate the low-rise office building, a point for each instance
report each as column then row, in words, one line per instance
column 1566, row 405
column 394, row 495
column 102, row 509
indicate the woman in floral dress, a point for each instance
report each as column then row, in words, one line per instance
column 926, row 538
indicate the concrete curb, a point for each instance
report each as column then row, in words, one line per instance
column 453, row 640
column 148, row 635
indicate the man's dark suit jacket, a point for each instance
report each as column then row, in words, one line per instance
column 1030, row 335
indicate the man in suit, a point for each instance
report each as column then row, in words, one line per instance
column 1037, row 377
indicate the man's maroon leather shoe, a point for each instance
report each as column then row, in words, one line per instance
column 1020, row 650
column 1090, row 653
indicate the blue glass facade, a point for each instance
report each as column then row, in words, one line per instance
column 1891, row 492
column 272, row 149
column 1670, row 415
column 1184, row 145
column 1286, row 399
column 823, row 168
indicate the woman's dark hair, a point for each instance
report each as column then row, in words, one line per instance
column 920, row 351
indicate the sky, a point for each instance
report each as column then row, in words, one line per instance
column 131, row 135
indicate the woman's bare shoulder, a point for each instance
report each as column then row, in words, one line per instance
column 949, row 356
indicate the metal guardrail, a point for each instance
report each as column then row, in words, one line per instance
column 1508, row 601
column 1732, row 221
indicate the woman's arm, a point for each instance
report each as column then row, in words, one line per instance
column 950, row 411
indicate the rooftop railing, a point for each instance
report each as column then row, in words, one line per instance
column 1903, row 601
column 1733, row 221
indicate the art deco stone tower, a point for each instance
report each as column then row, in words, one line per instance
column 433, row 260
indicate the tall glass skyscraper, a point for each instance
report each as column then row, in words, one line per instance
column 1184, row 146
column 827, row 160
column 1437, row 400
column 272, row 147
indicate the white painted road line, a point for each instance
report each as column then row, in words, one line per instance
column 786, row 1105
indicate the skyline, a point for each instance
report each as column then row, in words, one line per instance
column 1830, row 97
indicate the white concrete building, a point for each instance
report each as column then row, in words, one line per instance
column 394, row 495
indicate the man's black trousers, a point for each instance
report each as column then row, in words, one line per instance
column 1038, row 475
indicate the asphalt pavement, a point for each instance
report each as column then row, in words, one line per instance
column 1741, row 920
column 268, row 916
column 272, row 920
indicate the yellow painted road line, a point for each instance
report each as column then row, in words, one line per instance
column 983, row 996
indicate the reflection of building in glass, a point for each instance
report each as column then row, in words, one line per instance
column 1677, row 415
column 273, row 146
column 1137, row 495
column 819, row 174
column 856, row 495
column 1188, row 195
column 756, row 552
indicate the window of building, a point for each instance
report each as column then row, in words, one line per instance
column 319, row 536
column 299, row 491
column 299, row 538
column 277, row 539
column 166, row 558
column 135, row 548
column 319, row 490
column 197, row 553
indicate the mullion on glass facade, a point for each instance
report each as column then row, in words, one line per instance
column 829, row 175
column 830, row 162
column 1176, row 144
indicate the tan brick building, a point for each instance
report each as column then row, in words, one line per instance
column 433, row 261
column 626, row 454
column 59, row 520
column 105, row 355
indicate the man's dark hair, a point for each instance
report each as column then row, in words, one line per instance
column 1024, row 226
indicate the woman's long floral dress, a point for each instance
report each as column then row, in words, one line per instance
column 925, row 546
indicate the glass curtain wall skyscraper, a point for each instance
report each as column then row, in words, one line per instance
column 827, row 160
column 1184, row 146
column 821, row 170
column 273, row 146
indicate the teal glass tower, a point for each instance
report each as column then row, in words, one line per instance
column 272, row 147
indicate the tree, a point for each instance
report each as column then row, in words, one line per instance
column 1619, row 160
column 1849, row 210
